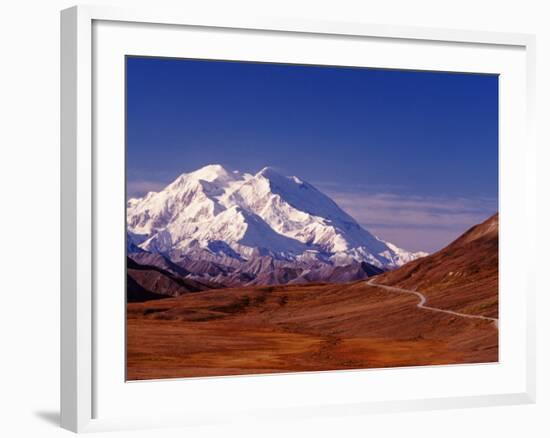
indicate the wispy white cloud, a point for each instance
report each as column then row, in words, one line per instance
column 396, row 210
column 414, row 222
column 137, row 189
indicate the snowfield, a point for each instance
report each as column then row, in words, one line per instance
column 242, row 216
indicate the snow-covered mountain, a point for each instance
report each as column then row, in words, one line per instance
column 213, row 213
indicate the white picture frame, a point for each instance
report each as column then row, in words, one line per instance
column 80, row 168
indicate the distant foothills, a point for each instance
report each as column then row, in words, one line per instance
column 215, row 228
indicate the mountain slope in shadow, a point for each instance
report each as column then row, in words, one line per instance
column 149, row 282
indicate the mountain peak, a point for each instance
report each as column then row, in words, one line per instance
column 210, row 172
column 268, row 172
column 272, row 174
column 242, row 211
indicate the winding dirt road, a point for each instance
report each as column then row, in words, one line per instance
column 422, row 302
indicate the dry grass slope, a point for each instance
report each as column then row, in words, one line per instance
column 296, row 328
column 462, row 276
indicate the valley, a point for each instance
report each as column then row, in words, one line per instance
column 437, row 310
column 312, row 327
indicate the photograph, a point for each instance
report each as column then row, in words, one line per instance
column 285, row 218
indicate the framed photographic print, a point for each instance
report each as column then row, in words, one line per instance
column 257, row 208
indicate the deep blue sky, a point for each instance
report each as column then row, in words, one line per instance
column 412, row 155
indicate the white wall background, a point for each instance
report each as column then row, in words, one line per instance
column 29, row 216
